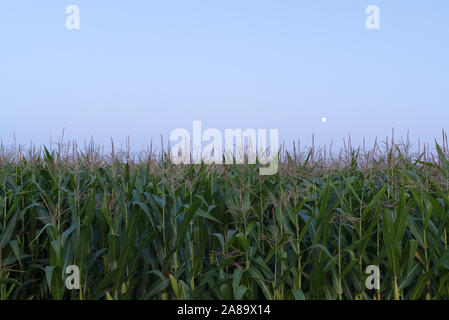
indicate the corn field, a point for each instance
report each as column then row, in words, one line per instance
column 148, row 229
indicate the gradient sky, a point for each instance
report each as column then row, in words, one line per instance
column 142, row 68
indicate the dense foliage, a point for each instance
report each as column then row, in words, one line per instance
column 153, row 230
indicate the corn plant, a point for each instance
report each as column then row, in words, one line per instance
column 149, row 229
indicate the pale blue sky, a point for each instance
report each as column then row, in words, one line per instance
column 142, row 68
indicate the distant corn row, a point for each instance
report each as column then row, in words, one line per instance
column 152, row 230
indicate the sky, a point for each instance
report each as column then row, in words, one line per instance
column 143, row 68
